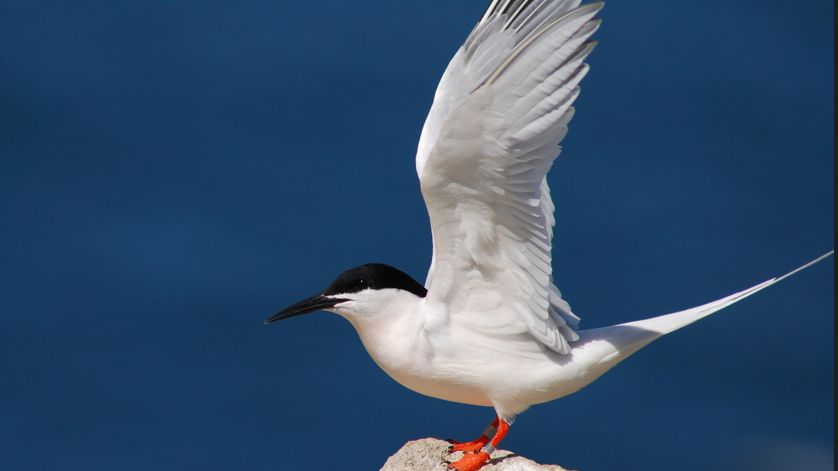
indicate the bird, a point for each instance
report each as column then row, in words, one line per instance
column 489, row 327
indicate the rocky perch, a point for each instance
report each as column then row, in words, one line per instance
column 430, row 454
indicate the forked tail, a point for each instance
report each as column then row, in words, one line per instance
column 672, row 322
column 629, row 337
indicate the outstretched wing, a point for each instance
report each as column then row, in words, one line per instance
column 493, row 132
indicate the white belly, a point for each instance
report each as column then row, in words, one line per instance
column 509, row 373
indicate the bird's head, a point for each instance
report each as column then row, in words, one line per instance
column 359, row 292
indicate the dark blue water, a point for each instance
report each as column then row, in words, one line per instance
column 171, row 173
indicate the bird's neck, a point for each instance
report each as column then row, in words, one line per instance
column 390, row 329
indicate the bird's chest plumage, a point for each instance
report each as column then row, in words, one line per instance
column 420, row 354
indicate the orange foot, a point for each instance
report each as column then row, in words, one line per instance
column 470, row 462
column 469, row 447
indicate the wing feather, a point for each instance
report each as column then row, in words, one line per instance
column 500, row 111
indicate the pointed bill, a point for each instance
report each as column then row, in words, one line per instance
column 318, row 302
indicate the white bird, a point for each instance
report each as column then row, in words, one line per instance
column 489, row 327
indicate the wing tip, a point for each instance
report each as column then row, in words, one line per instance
column 587, row 8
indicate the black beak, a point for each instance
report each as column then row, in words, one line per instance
column 315, row 303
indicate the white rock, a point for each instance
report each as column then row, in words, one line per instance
column 430, row 454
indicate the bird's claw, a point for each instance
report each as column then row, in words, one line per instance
column 470, row 462
column 468, row 447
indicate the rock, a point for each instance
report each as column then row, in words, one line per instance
column 430, row 454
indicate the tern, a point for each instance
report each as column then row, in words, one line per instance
column 489, row 327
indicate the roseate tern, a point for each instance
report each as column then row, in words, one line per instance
column 489, row 327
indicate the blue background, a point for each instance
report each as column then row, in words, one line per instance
column 171, row 173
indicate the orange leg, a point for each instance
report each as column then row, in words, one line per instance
column 475, row 461
column 475, row 445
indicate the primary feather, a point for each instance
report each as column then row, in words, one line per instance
column 493, row 132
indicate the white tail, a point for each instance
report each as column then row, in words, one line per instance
column 672, row 322
column 667, row 323
column 629, row 337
